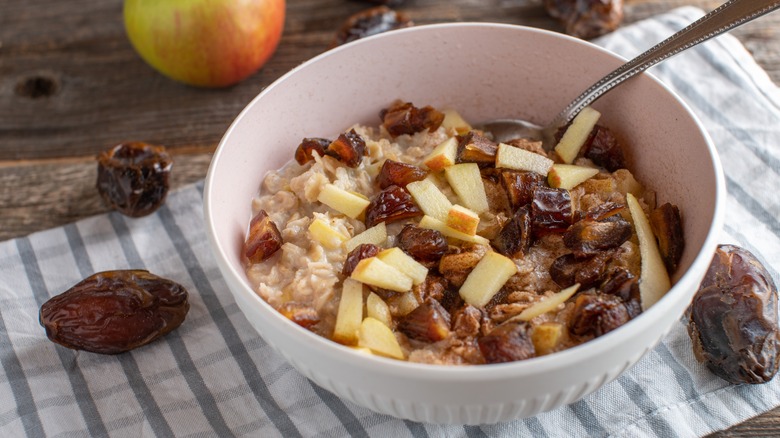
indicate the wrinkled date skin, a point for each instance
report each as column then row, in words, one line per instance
column 733, row 320
column 133, row 177
column 115, row 311
column 586, row 18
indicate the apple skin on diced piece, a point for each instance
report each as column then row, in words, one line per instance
column 462, row 219
column 487, row 278
column 510, row 157
column 408, row 266
column 376, row 235
column 568, row 176
column 375, row 272
column 350, row 313
column 430, row 199
column 577, row 134
column 466, row 180
column 443, row 155
column 378, row 338
column 343, row 201
column 326, row 235
column 432, row 223
column 654, row 281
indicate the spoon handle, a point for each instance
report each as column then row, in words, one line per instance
column 722, row 19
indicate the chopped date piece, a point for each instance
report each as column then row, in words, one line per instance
column 466, row 321
column 586, row 18
column 422, row 244
column 302, row 314
column 263, row 240
column 362, row 251
column 456, row 267
column 433, row 287
column 567, row 269
column 115, row 311
column 305, row 151
column 508, row 342
column 498, row 199
column 399, row 174
column 520, row 186
column 369, row 22
column 429, row 322
column 476, row 148
column 597, row 314
column 132, row 178
column 733, row 319
column 405, row 118
column 514, row 240
column 391, row 204
column 588, row 237
column 604, row 150
column 604, row 211
column 621, row 283
column 551, row 210
column 667, row 227
column 348, row 148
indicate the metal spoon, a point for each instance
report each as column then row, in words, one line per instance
column 726, row 17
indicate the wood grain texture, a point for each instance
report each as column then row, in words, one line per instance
column 71, row 86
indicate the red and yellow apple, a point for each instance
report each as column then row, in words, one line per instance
column 206, row 43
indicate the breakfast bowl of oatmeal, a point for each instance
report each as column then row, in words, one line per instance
column 408, row 261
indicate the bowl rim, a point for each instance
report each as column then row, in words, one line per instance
column 484, row 372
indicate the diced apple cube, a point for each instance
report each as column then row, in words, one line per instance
column 511, row 157
column 378, row 337
column 378, row 273
column 466, row 180
column 402, row 304
column 443, row 155
column 376, row 235
column 345, row 202
column 462, row 219
column 454, row 121
column 653, row 279
column 547, row 304
column 326, row 235
column 410, row 267
column 377, row 308
column 568, row 176
column 429, row 198
column 435, row 224
column 350, row 313
column 547, row 336
column 487, row 278
column 577, row 134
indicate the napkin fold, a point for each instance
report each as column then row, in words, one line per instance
column 215, row 376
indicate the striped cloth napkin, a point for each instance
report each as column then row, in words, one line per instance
column 215, row 376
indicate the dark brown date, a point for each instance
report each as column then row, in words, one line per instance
column 667, row 227
column 308, row 146
column 362, row 251
column 422, row 244
column 476, row 148
column 429, row 322
column 508, row 342
column 132, row 178
column 391, row 204
column 586, row 18
column 568, row 269
column 399, row 174
column 263, row 240
column 115, row 311
column 551, row 210
column 597, row 314
column 348, row 148
column 733, row 319
column 405, row 118
column 588, row 237
column 604, row 150
column 520, row 186
column 370, row 22
column 302, row 314
column 514, row 239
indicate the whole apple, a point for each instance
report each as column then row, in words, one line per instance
column 206, row 43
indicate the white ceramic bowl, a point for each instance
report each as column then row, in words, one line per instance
column 485, row 71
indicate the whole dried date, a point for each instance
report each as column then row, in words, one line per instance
column 586, row 18
column 133, row 177
column 369, row 22
column 115, row 311
column 733, row 319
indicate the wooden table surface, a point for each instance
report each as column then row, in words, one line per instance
column 91, row 91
